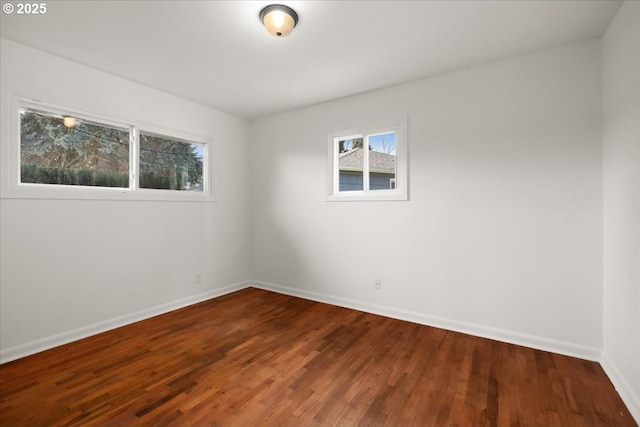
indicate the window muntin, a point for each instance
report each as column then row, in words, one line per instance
column 368, row 164
column 60, row 150
column 170, row 164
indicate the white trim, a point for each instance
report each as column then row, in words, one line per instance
column 626, row 392
column 37, row 346
column 359, row 196
column 540, row 343
column 589, row 353
column 134, row 158
column 11, row 188
column 401, row 192
column 532, row 341
column 186, row 138
column 366, row 171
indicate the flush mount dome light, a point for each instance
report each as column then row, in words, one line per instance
column 278, row 19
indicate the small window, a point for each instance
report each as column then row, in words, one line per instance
column 170, row 164
column 61, row 150
column 368, row 165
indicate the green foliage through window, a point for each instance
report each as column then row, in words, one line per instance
column 169, row 164
column 85, row 153
column 88, row 153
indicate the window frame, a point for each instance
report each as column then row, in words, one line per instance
column 401, row 190
column 178, row 137
column 13, row 188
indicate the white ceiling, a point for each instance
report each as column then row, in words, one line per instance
column 218, row 54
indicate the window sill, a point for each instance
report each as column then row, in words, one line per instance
column 91, row 193
column 359, row 196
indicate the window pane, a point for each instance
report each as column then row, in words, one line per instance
column 382, row 161
column 69, row 151
column 167, row 164
column 351, row 160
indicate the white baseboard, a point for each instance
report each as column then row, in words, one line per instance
column 630, row 398
column 540, row 343
column 628, row 395
column 37, row 346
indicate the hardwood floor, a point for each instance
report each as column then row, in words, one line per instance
column 256, row 358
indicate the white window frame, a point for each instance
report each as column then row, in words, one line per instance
column 12, row 188
column 401, row 190
column 176, row 136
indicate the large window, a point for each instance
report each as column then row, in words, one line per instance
column 68, row 151
column 368, row 164
column 63, row 155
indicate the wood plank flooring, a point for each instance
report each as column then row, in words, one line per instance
column 256, row 358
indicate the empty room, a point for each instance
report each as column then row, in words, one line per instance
column 320, row 213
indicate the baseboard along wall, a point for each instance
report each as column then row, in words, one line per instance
column 583, row 352
column 37, row 346
column 539, row 343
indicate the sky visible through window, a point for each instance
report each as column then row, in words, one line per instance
column 383, row 143
column 199, row 150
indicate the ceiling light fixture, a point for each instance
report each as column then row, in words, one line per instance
column 278, row 19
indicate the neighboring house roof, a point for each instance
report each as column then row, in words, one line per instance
column 352, row 160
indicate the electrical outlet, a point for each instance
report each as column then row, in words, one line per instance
column 197, row 278
column 377, row 285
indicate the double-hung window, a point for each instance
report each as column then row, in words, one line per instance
column 63, row 154
column 368, row 164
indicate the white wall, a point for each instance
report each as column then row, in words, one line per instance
column 72, row 267
column 502, row 235
column 621, row 141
